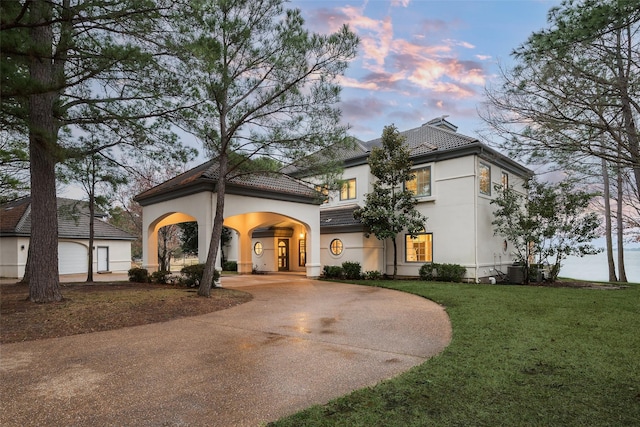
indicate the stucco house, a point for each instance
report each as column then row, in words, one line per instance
column 111, row 246
column 282, row 225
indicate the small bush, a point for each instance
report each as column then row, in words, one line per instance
column 373, row 275
column 442, row 272
column 139, row 275
column 332, row 272
column 161, row 277
column 230, row 266
column 193, row 275
column 352, row 270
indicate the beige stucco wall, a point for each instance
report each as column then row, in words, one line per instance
column 243, row 214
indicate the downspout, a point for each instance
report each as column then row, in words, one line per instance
column 476, row 186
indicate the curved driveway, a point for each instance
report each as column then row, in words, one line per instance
column 299, row 342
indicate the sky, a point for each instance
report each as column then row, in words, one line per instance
column 423, row 59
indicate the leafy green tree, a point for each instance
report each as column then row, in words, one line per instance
column 390, row 208
column 264, row 86
column 189, row 237
column 547, row 224
column 572, row 98
column 71, row 69
column 99, row 177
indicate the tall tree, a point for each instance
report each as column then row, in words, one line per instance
column 390, row 208
column 264, row 85
column 546, row 224
column 575, row 91
column 99, row 178
column 87, row 67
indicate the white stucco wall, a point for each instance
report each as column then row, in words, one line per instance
column 13, row 256
column 72, row 256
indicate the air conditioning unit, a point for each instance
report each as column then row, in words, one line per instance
column 515, row 274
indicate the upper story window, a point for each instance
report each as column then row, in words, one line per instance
column 505, row 180
column 485, row 179
column 324, row 190
column 348, row 190
column 420, row 185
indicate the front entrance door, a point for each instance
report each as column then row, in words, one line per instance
column 283, row 255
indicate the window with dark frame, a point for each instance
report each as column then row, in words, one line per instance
column 419, row 248
column 336, row 247
column 420, row 185
column 348, row 190
column 485, row 179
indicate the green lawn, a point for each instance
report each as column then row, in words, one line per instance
column 520, row 356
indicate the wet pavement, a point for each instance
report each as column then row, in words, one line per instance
column 299, row 342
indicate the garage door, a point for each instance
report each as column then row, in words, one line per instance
column 72, row 258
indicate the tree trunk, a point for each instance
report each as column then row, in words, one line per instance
column 630, row 129
column 44, row 280
column 216, row 233
column 395, row 258
column 92, row 209
column 620, row 234
column 607, row 222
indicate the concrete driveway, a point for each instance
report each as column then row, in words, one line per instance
column 299, row 342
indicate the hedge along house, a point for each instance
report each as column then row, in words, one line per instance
column 282, row 224
column 111, row 246
column 454, row 185
column 282, row 211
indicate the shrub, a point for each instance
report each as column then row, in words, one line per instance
column 352, row 270
column 193, row 275
column 373, row 275
column 139, row 275
column 160, row 277
column 230, row 266
column 332, row 272
column 442, row 272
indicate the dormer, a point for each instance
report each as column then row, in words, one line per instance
column 441, row 122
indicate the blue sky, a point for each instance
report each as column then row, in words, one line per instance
column 421, row 59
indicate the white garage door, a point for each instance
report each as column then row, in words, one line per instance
column 72, row 258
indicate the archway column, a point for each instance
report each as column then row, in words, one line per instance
column 313, row 265
column 245, row 265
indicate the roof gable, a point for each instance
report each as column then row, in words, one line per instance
column 73, row 221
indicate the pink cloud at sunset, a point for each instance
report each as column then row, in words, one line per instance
column 421, row 59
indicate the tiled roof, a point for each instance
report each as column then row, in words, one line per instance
column 255, row 182
column 73, row 221
column 428, row 138
column 339, row 219
column 339, row 153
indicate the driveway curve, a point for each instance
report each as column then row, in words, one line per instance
column 299, row 342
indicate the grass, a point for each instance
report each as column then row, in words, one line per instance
column 520, row 356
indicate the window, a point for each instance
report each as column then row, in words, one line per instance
column 348, row 191
column 485, row 179
column 302, row 253
column 505, row 180
column 324, row 190
column 419, row 248
column 336, row 247
column 420, row 185
column 257, row 248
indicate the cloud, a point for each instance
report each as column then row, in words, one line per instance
column 362, row 108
